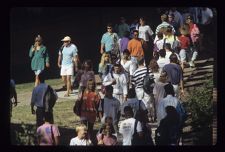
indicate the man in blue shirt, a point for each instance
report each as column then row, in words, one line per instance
column 66, row 60
column 109, row 40
column 38, row 100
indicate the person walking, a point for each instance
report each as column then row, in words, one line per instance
column 39, row 58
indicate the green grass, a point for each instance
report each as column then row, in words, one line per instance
column 25, row 87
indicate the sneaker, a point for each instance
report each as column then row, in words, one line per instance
column 191, row 63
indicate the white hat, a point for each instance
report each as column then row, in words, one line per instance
column 66, row 38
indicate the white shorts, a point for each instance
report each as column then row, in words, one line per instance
column 37, row 72
column 66, row 70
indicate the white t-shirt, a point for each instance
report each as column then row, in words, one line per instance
column 169, row 100
column 145, row 32
column 129, row 66
column 127, row 130
column 80, row 142
column 111, row 108
column 159, row 44
column 162, row 62
column 168, row 53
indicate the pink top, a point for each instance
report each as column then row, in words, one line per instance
column 86, row 76
column 109, row 141
column 45, row 135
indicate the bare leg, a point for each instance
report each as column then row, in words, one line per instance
column 68, row 84
column 37, row 81
column 64, row 80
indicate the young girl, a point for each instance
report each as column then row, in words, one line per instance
column 106, row 137
column 81, row 139
column 89, row 106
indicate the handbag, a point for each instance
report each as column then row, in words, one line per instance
column 78, row 104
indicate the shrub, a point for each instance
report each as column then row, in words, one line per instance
column 200, row 106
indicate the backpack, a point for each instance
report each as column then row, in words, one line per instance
column 148, row 83
column 50, row 98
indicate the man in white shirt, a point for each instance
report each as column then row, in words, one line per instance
column 162, row 61
column 127, row 127
column 68, row 57
column 119, row 82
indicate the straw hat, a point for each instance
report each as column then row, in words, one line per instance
column 66, row 38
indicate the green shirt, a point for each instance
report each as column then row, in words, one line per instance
column 39, row 58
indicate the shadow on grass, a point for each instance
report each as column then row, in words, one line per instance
column 25, row 134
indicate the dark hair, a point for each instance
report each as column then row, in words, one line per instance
column 109, row 25
column 141, row 61
column 167, row 46
column 128, row 111
column 172, row 114
column 172, row 15
column 117, row 65
column 173, row 58
column 169, row 29
column 160, row 35
column 89, row 62
column 108, row 88
column 143, row 18
column 126, row 51
column 189, row 17
column 169, row 89
column 126, row 34
column 131, row 93
column 162, row 52
column 135, row 31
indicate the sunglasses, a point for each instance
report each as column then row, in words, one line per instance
column 37, row 41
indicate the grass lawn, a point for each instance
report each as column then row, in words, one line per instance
column 23, row 122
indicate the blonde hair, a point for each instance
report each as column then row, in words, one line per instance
column 102, row 62
column 81, row 126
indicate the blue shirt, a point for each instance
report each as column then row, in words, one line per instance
column 38, row 95
column 109, row 39
column 68, row 54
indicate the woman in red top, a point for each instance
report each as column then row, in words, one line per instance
column 89, row 106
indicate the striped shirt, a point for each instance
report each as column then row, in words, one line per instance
column 164, row 24
column 138, row 77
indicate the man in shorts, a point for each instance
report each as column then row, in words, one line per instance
column 69, row 58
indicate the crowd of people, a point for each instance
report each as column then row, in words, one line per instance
column 142, row 81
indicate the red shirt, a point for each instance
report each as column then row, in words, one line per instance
column 184, row 41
